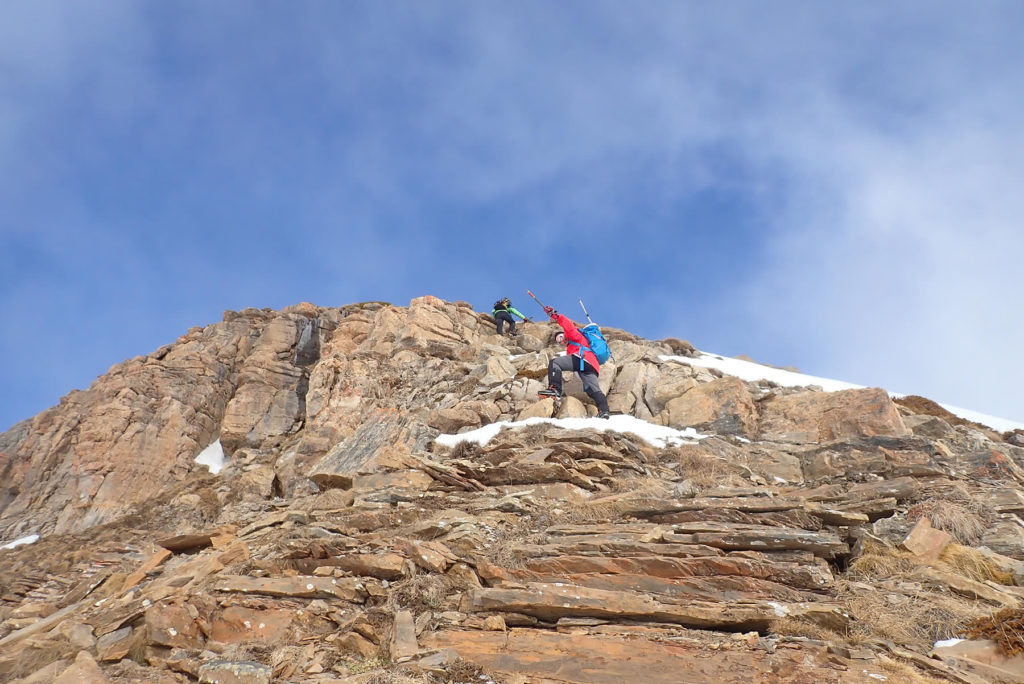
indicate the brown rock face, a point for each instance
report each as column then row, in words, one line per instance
column 88, row 459
column 303, row 377
column 246, row 625
column 724, row 406
column 825, row 417
column 140, row 426
column 270, row 396
column 386, row 438
column 345, row 542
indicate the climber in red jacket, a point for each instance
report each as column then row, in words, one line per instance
column 579, row 359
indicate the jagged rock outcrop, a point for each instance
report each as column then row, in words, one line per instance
column 800, row 536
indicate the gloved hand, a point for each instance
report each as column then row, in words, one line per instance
column 550, row 311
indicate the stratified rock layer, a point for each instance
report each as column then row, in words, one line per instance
column 795, row 539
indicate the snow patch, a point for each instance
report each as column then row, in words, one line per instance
column 30, row 539
column 656, row 435
column 212, row 457
column 752, row 372
column 947, row 643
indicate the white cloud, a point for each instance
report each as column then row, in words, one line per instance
column 911, row 249
column 877, row 145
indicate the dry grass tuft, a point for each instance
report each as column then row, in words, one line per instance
column 799, row 627
column 466, row 450
column 902, row 673
column 965, row 521
column 974, row 565
column 329, row 500
column 464, row 671
column 1006, row 628
column 393, row 677
column 31, row 659
column 506, row 552
column 642, row 487
column 880, row 562
column 419, row 593
column 702, row 468
column 585, row 513
column 904, row 612
column 919, row 618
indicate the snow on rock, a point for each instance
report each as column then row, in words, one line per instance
column 212, row 457
column 946, row 643
column 30, row 539
column 752, row 372
column 656, row 435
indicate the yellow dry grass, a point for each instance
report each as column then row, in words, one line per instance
column 901, row 673
column 902, row 610
column 641, row 487
column 965, row 520
column 880, row 562
column 919, row 618
column 328, row 500
column 391, row 677
column 702, row 468
column 974, row 565
column 799, row 627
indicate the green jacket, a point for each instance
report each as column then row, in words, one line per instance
column 511, row 309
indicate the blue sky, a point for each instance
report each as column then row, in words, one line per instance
column 831, row 186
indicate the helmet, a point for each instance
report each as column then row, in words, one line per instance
column 506, row 301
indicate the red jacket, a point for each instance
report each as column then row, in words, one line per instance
column 573, row 341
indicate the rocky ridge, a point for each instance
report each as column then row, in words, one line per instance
column 804, row 536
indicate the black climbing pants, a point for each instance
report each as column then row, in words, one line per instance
column 501, row 318
column 591, row 385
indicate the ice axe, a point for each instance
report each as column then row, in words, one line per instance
column 540, row 303
column 585, row 311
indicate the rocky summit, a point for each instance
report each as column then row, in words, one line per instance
column 396, row 505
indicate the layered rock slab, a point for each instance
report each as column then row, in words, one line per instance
column 559, row 600
column 613, row 659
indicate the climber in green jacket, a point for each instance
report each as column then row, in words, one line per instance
column 503, row 312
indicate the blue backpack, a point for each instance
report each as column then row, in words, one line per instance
column 596, row 342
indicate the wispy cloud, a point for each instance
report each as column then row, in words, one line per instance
column 793, row 180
